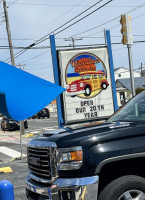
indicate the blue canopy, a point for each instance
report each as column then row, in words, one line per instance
column 23, row 94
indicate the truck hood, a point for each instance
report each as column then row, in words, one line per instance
column 78, row 81
column 98, row 132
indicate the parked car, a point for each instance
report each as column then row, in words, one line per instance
column 42, row 113
column 11, row 124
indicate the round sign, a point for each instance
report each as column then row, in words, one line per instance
column 85, row 76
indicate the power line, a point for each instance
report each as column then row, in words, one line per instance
column 38, row 68
column 46, row 47
column 51, row 5
column 60, row 16
column 65, row 5
column 110, row 27
column 39, row 54
column 12, row 3
column 36, row 56
column 22, row 51
column 79, row 19
column 45, row 37
column 116, row 18
column 19, row 39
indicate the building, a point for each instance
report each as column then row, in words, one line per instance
column 123, row 88
column 123, row 72
column 53, row 107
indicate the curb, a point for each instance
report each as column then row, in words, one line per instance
column 29, row 135
column 5, row 170
column 17, row 158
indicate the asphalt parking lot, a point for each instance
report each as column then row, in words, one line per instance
column 10, row 149
column 16, row 177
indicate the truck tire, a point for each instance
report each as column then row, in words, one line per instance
column 104, row 86
column 124, row 188
column 87, row 90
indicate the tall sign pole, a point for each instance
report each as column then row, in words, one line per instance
column 56, row 79
column 128, row 40
column 131, row 69
column 22, row 130
column 108, row 44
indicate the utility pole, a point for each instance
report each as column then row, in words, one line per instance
column 131, row 69
column 73, row 40
column 21, row 66
column 22, row 130
column 141, row 70
column 9, row 33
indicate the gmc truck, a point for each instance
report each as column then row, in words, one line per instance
column 96, row 161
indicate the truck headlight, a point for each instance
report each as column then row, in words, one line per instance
column 69, row 158
column 81, row 84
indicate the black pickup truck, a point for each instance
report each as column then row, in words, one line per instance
column 97, row 161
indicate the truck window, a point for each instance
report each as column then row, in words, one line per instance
column 133, row 110
column 82, row 77
column 88, row 76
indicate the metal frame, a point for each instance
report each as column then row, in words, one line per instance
column 57, row 78
column 108, row 43
column 57, row 81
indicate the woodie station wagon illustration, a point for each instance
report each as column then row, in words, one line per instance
column 89, row 81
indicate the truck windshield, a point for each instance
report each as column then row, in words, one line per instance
column 133, row 111
column 87, row 76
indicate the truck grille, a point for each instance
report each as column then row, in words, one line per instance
column 73, row 88
column 42, row 162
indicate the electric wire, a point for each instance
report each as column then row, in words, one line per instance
column 60, row 16
column 113, row 19
column 65, row 5
column 27, row 61
column 76, row 21
column 12, row 3
column 19, row 53
column 38, row 68
column 44, row 47
column 45, row 37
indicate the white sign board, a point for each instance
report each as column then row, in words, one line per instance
column 85, row 73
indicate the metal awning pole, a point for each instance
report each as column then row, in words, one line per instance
column 22, row 132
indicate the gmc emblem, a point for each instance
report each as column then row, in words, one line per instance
column 34, row 161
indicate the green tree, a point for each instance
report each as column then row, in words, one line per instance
column 139, row 89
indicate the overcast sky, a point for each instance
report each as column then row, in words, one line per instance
column 30, row 20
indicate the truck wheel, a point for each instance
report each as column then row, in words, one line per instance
column 87, row 90
column 104, row 86
column 124, row 188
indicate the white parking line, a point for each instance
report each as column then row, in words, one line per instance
column 41, row 129
column 10, row 152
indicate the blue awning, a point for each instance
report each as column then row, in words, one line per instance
column 23, row 94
